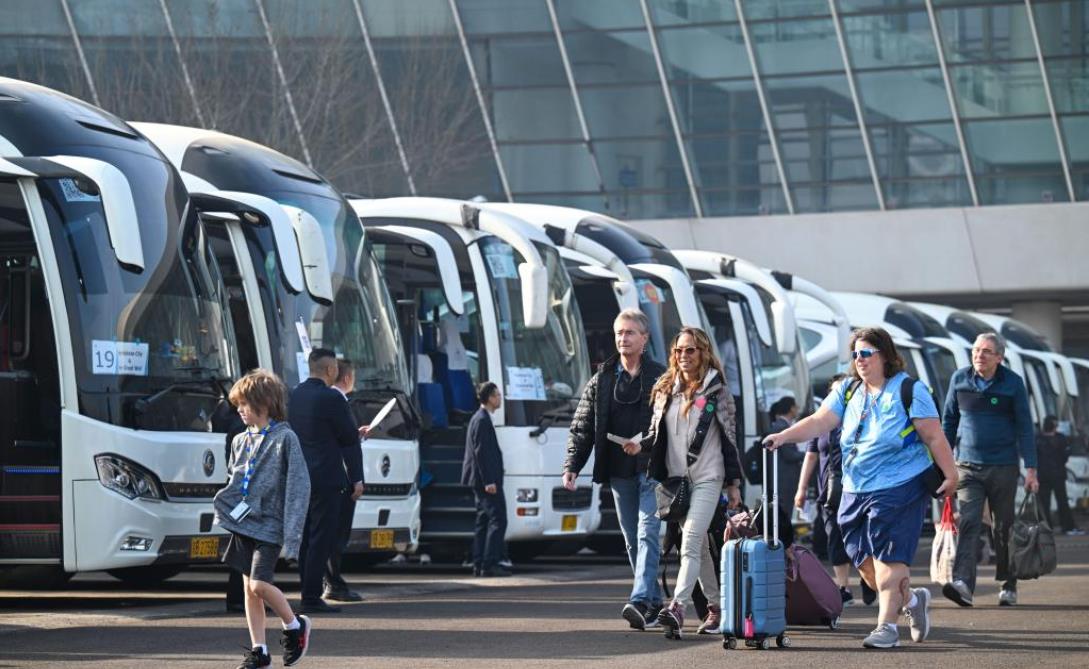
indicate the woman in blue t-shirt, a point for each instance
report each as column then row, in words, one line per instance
column 885, row 466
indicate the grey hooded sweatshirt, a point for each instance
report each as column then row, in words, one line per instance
column 279, row 491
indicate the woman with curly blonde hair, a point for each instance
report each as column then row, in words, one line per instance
column 694, row 385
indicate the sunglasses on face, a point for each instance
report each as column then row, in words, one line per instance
column 685, row 350
column 863, row 353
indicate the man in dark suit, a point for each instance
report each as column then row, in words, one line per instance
column 336, row 588
column 482, row 470
column 330, row 443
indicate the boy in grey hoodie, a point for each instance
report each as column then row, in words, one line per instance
column 264, row 507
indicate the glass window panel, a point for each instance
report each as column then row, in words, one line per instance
column 924, row 154
column 625, row 111
column 628, row 166
column 999, row 89
column 704, row 52
column 485, row 17
column 1076, row 133
column 926, row 193
column 329, row 73
column 833, row 197
column 681, row 12
column 599, row 14
column 986, row 33
column 847, row 6
column 1063, row 27
column 803, row 102
column 790, row 47
column 534, row 113
column 890, row 40
column 1069, row 79
column 743, row 202
column 1015, row 160
column 634, row 204
column 532, row 60
column 431, row 94
column 36, row 46
column 128, row 48
column 227, row 54
column 714, row 107
column 771, row 9
column 903, row 95
column 548, row 168
column 588, row 201
column 611, row 57
column 736, row 163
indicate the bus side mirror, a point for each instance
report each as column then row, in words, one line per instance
column 315, row 259
column 534, row 294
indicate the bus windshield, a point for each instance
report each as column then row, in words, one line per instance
column 543, row 369
column 359, row 324
column 656, row 300
column 944, row 365
column 139, row 336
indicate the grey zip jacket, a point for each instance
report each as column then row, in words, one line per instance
column 279, row 492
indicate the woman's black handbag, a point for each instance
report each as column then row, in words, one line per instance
column 673, row 496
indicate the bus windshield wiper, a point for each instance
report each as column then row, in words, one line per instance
column 194, row 387
column 553, row 416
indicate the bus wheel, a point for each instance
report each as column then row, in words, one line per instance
column 145, row 577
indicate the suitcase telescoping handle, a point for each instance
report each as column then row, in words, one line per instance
column 774, row 495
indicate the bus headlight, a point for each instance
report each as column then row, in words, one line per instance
column 526, row 495
column 127, row 478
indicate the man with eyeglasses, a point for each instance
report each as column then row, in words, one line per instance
column 613, row 412
column 988, row 420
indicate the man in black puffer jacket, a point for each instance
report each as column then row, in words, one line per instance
column 614, row 410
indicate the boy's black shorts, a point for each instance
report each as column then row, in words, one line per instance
column 253, row 558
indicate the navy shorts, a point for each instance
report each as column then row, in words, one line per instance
column 837, row 554
column 884, row 524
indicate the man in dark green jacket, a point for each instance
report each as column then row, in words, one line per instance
column 988, row 419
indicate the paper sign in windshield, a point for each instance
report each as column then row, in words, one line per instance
column 501, row 262
column 119, row 358
column 649, row 293
column 72, row 193
column 525, row 383
column 304, row 366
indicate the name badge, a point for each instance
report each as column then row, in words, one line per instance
column 239, row 512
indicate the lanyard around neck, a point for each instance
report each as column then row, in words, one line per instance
column 251, row 456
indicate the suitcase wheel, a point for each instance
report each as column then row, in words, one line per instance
column 729, row 643
column 833, row 624
column 782, row 641
column 765, row 643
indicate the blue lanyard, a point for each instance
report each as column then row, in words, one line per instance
column 251, row 455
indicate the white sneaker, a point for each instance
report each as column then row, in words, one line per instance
column 1007, row 598
column 919, row 615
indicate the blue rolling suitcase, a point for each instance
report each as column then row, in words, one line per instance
column 754, row 581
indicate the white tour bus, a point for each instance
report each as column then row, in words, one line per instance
column 114, row 348
column 491, row 302
column 304, row 267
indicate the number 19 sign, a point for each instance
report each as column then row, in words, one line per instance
column 119, row 357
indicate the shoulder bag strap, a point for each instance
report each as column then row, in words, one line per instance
column 707, row 414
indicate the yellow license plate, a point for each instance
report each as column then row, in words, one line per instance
column 569, row 523
column 381, row 539
column 204, row 548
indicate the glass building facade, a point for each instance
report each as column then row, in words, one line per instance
column 641, row 108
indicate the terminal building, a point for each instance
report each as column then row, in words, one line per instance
column 925, row 149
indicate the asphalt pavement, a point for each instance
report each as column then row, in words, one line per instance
column 556, row 613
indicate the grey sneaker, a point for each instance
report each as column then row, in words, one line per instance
column 882, row 636
column 958, row 592
column 1007, row 597
column 636, row 615
column 919, row 615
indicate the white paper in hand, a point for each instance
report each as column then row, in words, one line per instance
column 383, row 412
column 623, row 440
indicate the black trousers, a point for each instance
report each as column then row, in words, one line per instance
column 491, row 528
column 334, row 581
column 1055, row 483
column 319, row 539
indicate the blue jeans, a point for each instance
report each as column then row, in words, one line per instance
column 635, row 511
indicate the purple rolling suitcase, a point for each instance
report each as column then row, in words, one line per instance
column 812, row 597
column 754, row 581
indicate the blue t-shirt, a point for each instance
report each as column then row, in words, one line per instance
column 881, row 457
